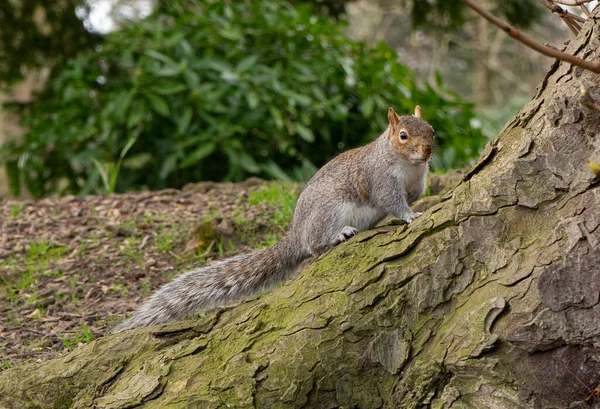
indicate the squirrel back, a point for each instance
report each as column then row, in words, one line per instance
column 349, row 194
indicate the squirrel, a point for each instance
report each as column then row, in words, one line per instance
column 351, row 193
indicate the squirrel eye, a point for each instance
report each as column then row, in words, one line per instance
column 403, row 135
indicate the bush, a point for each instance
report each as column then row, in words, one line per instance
column 221, row 90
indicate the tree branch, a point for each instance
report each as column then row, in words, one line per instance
column 517, row 35
column 572, row 2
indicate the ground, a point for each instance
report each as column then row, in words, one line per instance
column 74, row 267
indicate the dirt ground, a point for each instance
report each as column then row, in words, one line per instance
column 74, row 267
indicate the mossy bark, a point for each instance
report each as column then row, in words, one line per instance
column 488, row 300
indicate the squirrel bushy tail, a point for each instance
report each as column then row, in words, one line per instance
column 218, row 284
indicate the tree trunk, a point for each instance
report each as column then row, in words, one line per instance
column 488, row 300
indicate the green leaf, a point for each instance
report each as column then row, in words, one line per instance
column 122, row 103
column 252, row 99
column 138, row 162
column 184, row 122
column 137, row 114
column 248, row 162
column 103, row 171
column 275, row 171
column 168, row 72
column 191, row 79
column 168, row 89
column 367, row 107
column 168, row 166
column 246, row 63
column 158, row 56
column 200, row 153
column 158, row 104
column 305, row 133
column 126, row 148
column 276, row 115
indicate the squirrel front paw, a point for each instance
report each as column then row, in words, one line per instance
column 411, row 217
column 345, row 234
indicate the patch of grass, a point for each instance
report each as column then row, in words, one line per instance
column 224, row 248
column 73, row 282
column 119, row 287
column 84, row 336
column 278, row 201
column 40, row 253
column 36, row 262
column 16, row 209
column 130, row 224
column 131, row 250
column 278, row 196
column 10, row 293
column 25, row 281
column 13, row 320
column 38, row 313
column 164, row 239
column 6, row 363
column 145, row 287
column 81, row 251
column 271, row 239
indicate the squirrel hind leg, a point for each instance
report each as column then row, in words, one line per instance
column 345, row 234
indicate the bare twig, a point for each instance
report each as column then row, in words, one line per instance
column 569, row 19
column 586, row 11
column 572, row 2
column 573, row 26
column 517, row 35
column 588, row 101
column 564, row 14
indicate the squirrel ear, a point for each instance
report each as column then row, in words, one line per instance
column 418, row 112
column 393, row 118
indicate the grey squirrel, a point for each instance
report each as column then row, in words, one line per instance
column 349, row 194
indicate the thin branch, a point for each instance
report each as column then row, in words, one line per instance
column 569, row 19
column 573, row 16
column 586, row 11
column 572, row 2
column 560, row 11
column 517, row 35
column 573, row 26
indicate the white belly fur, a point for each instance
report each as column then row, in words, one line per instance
column 360, row 217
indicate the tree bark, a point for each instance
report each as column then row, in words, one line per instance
column 489, row 300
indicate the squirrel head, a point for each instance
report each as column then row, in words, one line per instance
column 411, row 136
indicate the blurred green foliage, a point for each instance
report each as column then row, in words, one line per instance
column 221, row 90
column 448, row 15
column 35, row 34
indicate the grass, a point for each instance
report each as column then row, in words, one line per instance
column 16, row 209
column 6, row 363
column 165, row 239
column 84, row 336
column 277, row 201
column 280, row 197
